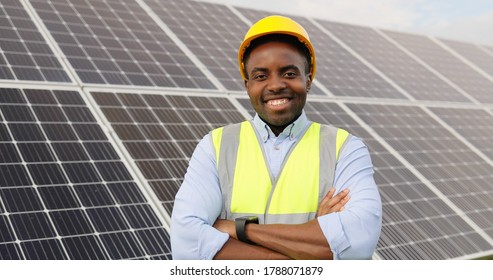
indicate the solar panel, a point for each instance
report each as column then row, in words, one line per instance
column 161, row 131
column 404, row 71
column 480, row 57
column 64, row 191
column 448, row 65
column 411, row 210
column 24, row 53
column 475, row 125
column 210, row 32
column 116, row 42
column 342, row 73
column 457, row 172
column 90, row 164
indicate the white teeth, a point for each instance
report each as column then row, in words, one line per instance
column 277, row 102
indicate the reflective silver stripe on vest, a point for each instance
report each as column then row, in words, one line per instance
column 226, row 169
column 227, row 162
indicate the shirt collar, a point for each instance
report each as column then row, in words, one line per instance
column 292, row 131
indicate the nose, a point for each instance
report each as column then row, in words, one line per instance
column 276, row 83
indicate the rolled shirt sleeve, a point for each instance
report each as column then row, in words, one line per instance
column 197, row 205
column 354, row 232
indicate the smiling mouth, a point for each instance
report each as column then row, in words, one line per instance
column 277, row 102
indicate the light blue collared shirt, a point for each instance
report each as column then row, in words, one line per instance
column 351, row 234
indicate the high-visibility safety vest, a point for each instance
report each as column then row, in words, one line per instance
column 248, row 186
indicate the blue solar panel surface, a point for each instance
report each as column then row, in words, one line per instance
column 103, row 101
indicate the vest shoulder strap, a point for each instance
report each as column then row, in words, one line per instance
column 342, row 136
column 231, row 132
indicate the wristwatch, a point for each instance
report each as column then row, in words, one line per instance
column 241, row 223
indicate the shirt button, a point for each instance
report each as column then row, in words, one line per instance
column 277, row 148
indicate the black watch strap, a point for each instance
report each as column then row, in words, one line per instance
column 241, row 223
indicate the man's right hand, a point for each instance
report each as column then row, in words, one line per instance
column 332, row 203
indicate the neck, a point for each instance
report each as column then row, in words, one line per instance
column 279, row 129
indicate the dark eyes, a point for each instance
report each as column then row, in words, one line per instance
column 291, row 74
column 259, row 77
column 288, row 74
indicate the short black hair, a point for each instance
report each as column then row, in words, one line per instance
column 284, row 38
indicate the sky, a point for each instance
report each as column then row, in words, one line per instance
column 462, row 20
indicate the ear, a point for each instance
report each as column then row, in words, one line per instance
column 308, row 82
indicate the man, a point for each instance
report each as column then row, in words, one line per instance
column 266, row 188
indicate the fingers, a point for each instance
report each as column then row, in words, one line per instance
column 332, row 203
column 322, row 208
column 328, row 196
column 340, row 198
column 339, row 206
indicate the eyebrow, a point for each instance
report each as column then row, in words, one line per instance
column 283, row 69
column 258, row 69
column 290, row 67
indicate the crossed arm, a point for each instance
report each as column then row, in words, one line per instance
column 351, row 232
column 282, row 241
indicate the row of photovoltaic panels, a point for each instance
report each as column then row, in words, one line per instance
column 82, row 168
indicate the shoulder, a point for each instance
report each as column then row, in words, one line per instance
column 218, row 132
column 330, row 127
column 355, row 150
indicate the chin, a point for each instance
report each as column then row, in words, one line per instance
column 283, row 122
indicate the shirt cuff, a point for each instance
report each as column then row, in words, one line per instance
column 331, row 226
column 210, row 242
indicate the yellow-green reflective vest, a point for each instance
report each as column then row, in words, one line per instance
column 248, row 186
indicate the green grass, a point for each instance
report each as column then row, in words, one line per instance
column 485, row 258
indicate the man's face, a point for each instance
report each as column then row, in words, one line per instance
column 277, row 83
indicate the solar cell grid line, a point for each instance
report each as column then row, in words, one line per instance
column 160, row 132
column 65, row 193
column 473, row 53
column 444, row 160
column 403, row 70
column 417, row 224
column 254, row 15
column 470, row 54
column 211, row 32
column 461, row 74
column 475, row 125
column 24, row 53
column 117, row 43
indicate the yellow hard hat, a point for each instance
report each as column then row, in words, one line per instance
column 276, row 25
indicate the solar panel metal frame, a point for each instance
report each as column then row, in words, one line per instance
column 77, row 85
